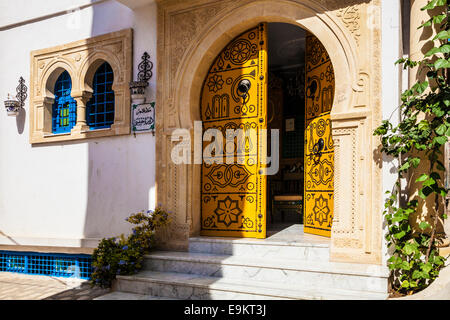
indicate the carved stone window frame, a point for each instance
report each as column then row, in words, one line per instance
column 81, row 60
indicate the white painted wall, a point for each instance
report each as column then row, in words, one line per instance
column 391, row 82
column 67, row 193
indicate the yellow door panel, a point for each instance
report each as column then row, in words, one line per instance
column 318, row 213
column 221, row 99
column 244, row 51
column 319, row 148
column 233, row 193
column 319, row 171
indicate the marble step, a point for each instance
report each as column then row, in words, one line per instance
column 197, row 287
column 119, row 295
column 307, row 274
column 317, row 250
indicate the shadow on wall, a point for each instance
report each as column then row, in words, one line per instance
column 9, row 238
column 117, row 175
column 20, row 120
column 120, row 169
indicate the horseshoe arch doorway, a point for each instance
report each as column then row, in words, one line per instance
column 273, row 76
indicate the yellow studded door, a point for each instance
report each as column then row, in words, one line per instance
column 319, row 150
column 234, row 98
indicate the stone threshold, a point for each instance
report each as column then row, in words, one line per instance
column 259, row 289
column 284, row 264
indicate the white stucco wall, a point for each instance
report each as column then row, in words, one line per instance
column 391, row 82
column 63, row 194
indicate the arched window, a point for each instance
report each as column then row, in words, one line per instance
column 64, row 112
column 100, row 108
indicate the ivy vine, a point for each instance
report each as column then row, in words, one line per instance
column 420, row 136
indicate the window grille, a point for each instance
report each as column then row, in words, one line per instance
column 46, row 264
column 100, row 108
column 64, row 111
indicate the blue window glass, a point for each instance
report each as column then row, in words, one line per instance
column 100, row 108
column 64, row 113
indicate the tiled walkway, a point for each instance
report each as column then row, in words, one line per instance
column 26, row 287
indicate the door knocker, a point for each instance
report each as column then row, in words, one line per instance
column 243, row 89
column 311, row 90
column 317, row 150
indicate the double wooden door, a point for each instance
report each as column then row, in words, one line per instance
column 234, row 104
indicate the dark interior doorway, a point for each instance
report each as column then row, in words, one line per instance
column 286, row 112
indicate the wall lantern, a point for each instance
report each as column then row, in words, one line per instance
column 143, row 114
column 14, row 105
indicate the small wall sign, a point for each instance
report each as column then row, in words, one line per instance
column 143, row 117
column 290, row 125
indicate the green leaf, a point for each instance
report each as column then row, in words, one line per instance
column 414, row 162
column 417, row 274
column 422, row 86
column 404, row 166
column 429, row 182
column 438, row 111
column 405, row 284
column 423, row 225
column 428, row 23
column 430, row 5
column 427, row 267
column 441, row 63
column 440, row 17
column 434, row 3
column 409, row 248
column 400, row 61
column 405, row 266
column 441, row 129
column 440, row 140
column 422, row 178
column 423, row 125
column 443, row 35
column 400, row 234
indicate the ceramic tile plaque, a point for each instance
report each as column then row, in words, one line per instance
column 143, row 117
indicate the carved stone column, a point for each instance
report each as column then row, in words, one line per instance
column 44, row 110
column 82, row 99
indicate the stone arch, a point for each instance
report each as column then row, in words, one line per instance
column 191, row 36
column 46, row 87
column 197, row 60
column 87, row 70
column 52, row 73
column 90, row 65
column 199, row 57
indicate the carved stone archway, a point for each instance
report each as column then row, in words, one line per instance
column 192, row 33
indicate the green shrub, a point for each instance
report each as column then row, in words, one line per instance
column 124, row 255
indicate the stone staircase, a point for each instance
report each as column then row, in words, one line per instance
column 226, row 269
